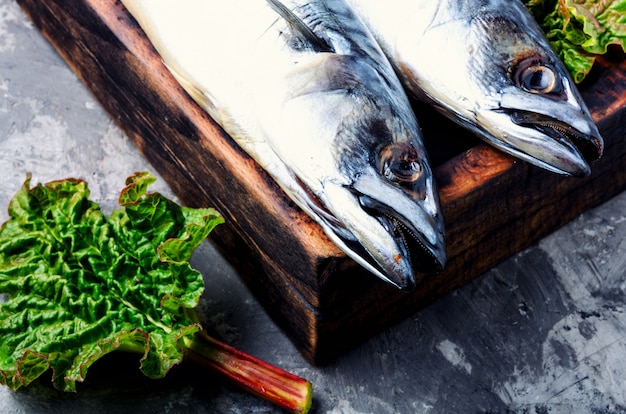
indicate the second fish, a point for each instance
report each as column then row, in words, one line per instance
column 487, row 65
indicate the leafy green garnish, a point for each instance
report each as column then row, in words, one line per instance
column 80, row 285
column 579, row 30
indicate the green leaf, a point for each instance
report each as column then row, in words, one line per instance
column 580, row 30
column 80, row 285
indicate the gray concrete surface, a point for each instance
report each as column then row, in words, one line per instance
column 544, row 332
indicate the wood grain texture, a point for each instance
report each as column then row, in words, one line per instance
column 493, row 205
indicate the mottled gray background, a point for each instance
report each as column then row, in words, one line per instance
column 544, row 332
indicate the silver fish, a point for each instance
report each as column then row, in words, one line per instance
column 487, row 65
column 306, row 91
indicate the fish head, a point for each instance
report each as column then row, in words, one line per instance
column 387, row 217
column 360, row 169
column 528, row 104
column 379, row 202
column 398, row 193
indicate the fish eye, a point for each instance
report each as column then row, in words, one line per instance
column 400, row 163
column 536, row 77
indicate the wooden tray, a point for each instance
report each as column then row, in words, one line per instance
column 493, row 205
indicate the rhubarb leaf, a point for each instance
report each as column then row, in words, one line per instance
column 79, row 285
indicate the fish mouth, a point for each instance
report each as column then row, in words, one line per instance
column 587, row 147
column 389, row 245
column 422, row 258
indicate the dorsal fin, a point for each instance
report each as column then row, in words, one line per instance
column 300, row 28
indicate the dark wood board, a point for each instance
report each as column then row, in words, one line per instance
column 493, row 205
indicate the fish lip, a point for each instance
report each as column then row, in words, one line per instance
column 421, row 256
column 404, row 282
column 413, row 251
column 422, row 259
column 590, row 147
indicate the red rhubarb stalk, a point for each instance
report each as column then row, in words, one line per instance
column 269, row 382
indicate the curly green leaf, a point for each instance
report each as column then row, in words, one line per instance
column 80, row 285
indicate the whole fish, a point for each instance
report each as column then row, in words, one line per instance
column 306, row 91
column 487, row 65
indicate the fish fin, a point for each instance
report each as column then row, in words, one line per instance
column 300, row 28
